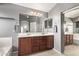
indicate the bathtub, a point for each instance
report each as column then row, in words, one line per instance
column 5, row 46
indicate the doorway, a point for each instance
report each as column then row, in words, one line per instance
column 71, row 32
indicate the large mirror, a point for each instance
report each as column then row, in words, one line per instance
column 72, row 21
column 29, row 23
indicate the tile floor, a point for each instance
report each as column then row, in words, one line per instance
column 70, row 50
column 47, row 53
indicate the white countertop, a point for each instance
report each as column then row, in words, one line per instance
column 33, row 34
column 68, row 33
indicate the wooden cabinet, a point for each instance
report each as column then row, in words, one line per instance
column 24, row 46
column 35, row 44
column 68, row 39
column 50, row 42
column 29, row 45
column 43, row 43
column 65, row 40
column 71, row 39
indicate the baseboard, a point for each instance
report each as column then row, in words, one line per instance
column 57, row 51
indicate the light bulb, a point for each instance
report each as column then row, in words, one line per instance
column 25, row 26
column 34, row 13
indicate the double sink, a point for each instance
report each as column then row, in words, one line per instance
column 33, row 34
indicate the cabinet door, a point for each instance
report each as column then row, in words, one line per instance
column 28, row 45
column 43, row 40
column 71, row 39
column 50, row 42
column 35, row 41
column 43, row 43
column 65, row 39
column 24, row 46
column 68, row 40
column 35, row 44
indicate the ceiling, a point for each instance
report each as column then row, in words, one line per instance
column 72, row 14
column 46, row 7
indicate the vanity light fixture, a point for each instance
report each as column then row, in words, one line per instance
column 36, row 13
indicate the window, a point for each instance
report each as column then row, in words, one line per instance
column 48, row 23
column 77, row 24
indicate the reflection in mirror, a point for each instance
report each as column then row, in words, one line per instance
column 71, row 21
column 77, row 24
column 30, row 23
column 73, row 14
column 48, row 23
column 68, row 25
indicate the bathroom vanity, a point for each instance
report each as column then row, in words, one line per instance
column 68, row 39
column 29, row 44
column 33, row 37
